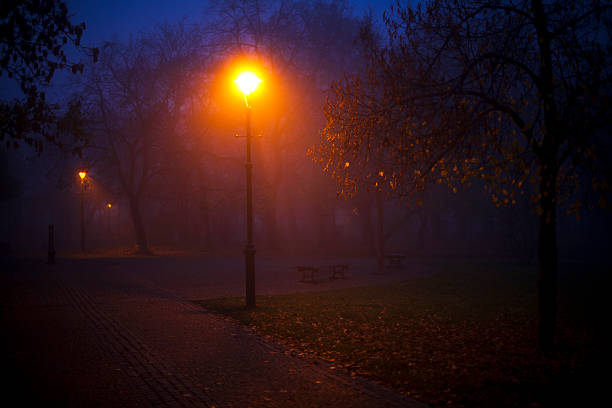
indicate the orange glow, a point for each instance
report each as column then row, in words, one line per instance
column 247, row 82
column 82, row 175
column 109, row 205
column 223, row 112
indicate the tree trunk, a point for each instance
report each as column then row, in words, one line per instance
column 139, row 230
column 270, row 175
column 548, row 156
column 380, row 232
column 294, row 241
column 205, row 240
column 463, row 231
column 436, row 231
column 547, row 259
column 320, row 210
column 367, row 226
column 420, row 244
column 322, row 230
column 271, row 228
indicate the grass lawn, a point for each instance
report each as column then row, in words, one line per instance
column 464, row 337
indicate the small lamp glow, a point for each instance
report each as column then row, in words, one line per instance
column 82, row 175
column 109, row 205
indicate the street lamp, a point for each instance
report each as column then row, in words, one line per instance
column 82, row 175
column 109, row 208
column 247, row 82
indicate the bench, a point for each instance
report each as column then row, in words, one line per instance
column 338, row 270
column 308, row 272
column 395, row 260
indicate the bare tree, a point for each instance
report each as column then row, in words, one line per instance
column 136, row 96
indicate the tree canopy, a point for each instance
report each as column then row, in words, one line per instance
column 34, row 36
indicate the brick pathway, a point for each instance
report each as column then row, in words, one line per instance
column 113, row 332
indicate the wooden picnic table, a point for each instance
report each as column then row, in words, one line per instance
column 337, row 271
column 395, row 260
column 308, row 273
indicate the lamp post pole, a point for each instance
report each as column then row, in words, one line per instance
column 247, row 82
column 82, row 175
column 249, row 251
column 82, row 217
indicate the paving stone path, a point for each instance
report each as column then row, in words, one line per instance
column 113, row 332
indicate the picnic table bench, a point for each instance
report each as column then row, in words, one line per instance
column 395, row 260
column 337, row 271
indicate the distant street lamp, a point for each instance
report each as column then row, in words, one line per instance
column 82, row 175
column 247, row 82
column 109, row 208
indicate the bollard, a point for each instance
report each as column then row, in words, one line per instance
column 51, row 254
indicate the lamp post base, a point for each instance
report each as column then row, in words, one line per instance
column 249, row 257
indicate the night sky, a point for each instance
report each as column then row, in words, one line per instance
column 107, row 18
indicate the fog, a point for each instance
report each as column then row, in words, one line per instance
column 166, row 170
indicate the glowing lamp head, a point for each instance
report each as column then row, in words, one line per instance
column 109, row 205
column 82, row 175
column 247, row 82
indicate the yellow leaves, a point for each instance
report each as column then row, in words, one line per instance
column 346, row 165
